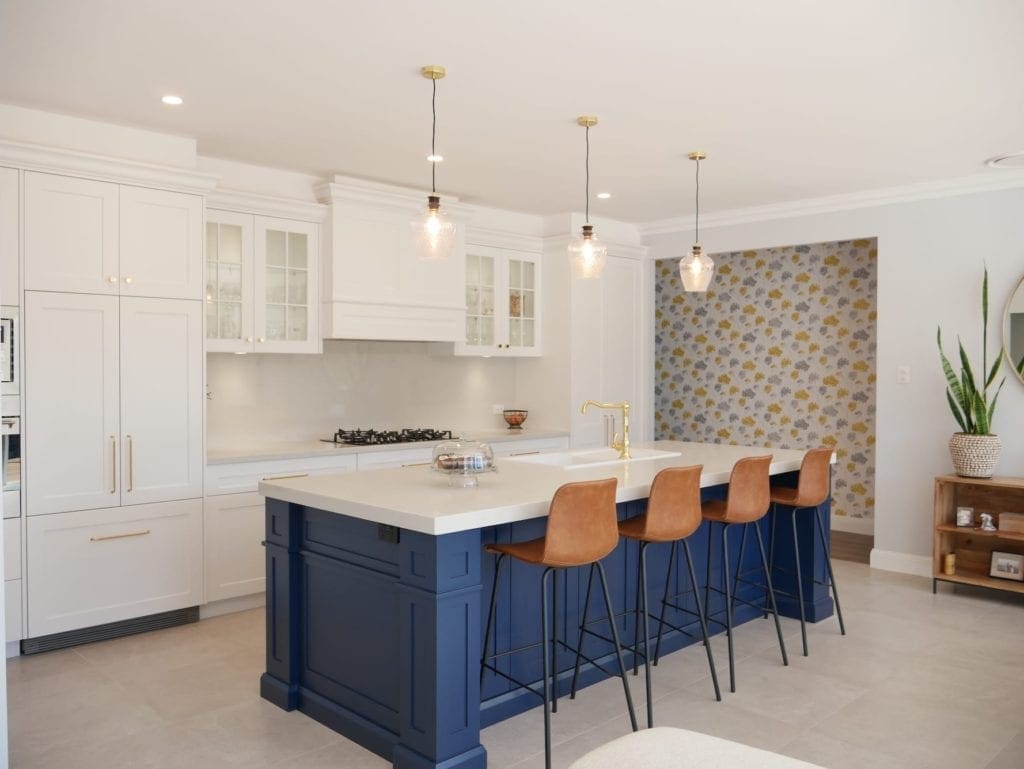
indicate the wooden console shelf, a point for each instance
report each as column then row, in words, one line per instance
column 972, row 545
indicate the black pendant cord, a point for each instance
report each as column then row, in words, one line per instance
column 696, row 206
column 433, row 139
column 587, row 204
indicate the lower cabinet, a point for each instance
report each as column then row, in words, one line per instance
column 12, row 578
column 96, row 566
column 12, row 609
column 235, row 563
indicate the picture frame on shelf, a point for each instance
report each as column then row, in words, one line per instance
column 965, row 516
column 1007, row 566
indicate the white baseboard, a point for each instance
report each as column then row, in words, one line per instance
column 853, row 525
column 13, row 649
column 906, row 563
column 231, row 605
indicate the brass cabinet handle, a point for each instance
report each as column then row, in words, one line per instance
column 248, row 339
column 522, row 453
column 261, row 340
column 111, row 279
column 104, row 537
column 128, row 281
column 416, row 464
column 282, row 477
column 131, row 464
column 113, row 465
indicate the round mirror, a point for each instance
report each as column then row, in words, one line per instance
column 1013, row 330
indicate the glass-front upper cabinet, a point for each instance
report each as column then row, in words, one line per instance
column 502, row 303
column 261, row 283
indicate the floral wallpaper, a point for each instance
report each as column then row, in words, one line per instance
column 779, row 352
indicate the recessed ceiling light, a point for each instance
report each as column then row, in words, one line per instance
column 604, row 195
column 1009, row 160
column 171, row 99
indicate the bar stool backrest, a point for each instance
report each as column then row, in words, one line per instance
column 673, row 506
column 582, row 525
column 815, row 481
column 749, row 491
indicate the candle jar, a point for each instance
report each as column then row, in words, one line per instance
column 949, row 564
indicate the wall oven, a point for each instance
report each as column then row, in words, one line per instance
column 12, row 466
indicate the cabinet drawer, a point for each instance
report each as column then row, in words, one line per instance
column 529, row 446
column 239, row 477
column 12, row 609
column 12, row 548
column 233, row 546
column 90, row 567
column 377, row 460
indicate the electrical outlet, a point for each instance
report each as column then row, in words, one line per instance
column 903, row 375
column 497, row 408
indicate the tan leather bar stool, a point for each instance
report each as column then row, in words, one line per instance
column 747, row 503
column 582, row 528
column 812, row 491
column 673, row 514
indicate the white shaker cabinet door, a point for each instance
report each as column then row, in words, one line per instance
column 161, row 400
column 287, row 255
column 71, row 402
column 71, row 234
column 161, row 244
column 235, row 559
column 9, row 293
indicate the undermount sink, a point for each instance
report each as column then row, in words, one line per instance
column 573, row 460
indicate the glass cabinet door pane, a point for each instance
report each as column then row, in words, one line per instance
column 230, row 246
column 212, row 329
column 515, row 273
column 527, row 339
column 231, row 320
column 297, row 291
column 486, row 271
column 528, row 268
column 515, row 332
column 472, row 269
column 211, row 241
column 230, row 282
column 275, row 286
column 276, row 327
column 211, row 281
column 297, row 324
column 297, row 249
column 276, row 249
column 528, row 311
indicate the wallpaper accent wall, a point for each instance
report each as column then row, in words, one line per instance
column 779, row 352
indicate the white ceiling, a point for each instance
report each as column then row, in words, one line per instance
column 791, row 99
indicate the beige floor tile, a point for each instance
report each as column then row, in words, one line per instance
column 335, row 756
column 836, row 754
column 1010, row 757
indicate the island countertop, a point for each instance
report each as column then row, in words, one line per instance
column 419, row 499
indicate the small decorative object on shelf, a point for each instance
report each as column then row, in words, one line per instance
column 975, row 450
column 462, row 461
column 986, row 522
column 965, row 516
column 515, row 418
column 1007, row 566
column 949, row 564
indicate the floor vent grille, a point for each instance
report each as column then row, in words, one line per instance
column 86, row 635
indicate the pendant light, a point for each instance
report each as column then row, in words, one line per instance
column 696, row 268
column 433, row 232
column 586, row 252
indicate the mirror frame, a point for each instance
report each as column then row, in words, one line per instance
column 1016, row 367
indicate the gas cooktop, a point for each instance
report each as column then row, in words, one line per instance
column 385, row 437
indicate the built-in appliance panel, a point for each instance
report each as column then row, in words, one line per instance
column 12, row 548
column 239, row 477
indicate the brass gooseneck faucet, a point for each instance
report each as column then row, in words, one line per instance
column 619, row 444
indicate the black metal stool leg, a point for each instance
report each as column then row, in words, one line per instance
column 579, row 644
column 664, row 601
column 647, row 635
column 799, row 583
column 618, row 645
column 707, row 580
column 490, row 615
column 771, row 593
column 739, row 567
column 554, row 641
column 703, row 621
column 546, row 665
column 728, row 605
column 636, row 612
column 772, row 523
column 828, row 563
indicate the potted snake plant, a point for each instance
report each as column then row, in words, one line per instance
column 975, row 449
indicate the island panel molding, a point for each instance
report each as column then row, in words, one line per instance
column 780, row 352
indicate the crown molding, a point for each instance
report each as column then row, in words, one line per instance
column 266, row 205
column 36, row 157
column 495, row 238
column 348, row 190
column 968, row 185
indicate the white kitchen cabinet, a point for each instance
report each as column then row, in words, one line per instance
column 161, row 247
column 96, row 566
column 378, row 460
column 237, row 477
column 233, row 544
column 503, row 305
column 12, row 549
column 375, row 286
column 113, row 400
column 9, row 208
column 261, row 284
column 515, row 448
column 86, row 236
column 12, row 610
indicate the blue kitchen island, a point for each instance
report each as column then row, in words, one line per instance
column 376, row 583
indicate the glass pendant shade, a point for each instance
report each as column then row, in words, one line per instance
column 587, row 254
column 433, row 232
column 696, row 270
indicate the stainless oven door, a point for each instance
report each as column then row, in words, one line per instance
column 11, row 466
column 9, row 343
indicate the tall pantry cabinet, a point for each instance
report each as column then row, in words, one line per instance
column 113, row 396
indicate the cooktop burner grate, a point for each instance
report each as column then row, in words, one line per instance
column 360, row 437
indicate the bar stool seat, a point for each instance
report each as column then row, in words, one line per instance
column 581, row 530
column 673, row 514
column 746, row 503
column 812, row 491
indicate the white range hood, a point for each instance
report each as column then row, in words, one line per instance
column 374, row 287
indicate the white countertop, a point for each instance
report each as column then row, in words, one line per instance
column 418, row 499
column 271, row 450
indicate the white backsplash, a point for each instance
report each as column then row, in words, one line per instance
column 352, row 384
